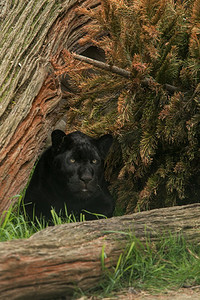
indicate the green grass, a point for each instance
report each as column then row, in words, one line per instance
column 14, row 225
column 169, row 263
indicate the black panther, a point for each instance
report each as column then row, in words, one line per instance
column 70, row 173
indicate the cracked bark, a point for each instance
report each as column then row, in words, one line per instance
column 56, row 261
column 30, row 95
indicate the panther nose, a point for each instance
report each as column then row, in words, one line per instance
column 86, row 178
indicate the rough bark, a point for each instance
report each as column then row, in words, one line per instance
column 30, row 95
column 57, row 260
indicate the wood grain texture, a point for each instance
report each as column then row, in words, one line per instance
column 30, row 95
column 57, row 260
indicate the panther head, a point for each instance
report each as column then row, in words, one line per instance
column 79, row 161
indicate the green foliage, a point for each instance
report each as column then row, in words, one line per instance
column 155, row 160
column 14, row 225
column 169, row 263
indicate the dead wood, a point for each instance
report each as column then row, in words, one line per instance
column 122, row 72
column 102, row 65
column 32, row 32
column 57, row 260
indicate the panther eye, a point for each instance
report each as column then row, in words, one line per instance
column 94, row 161
column 72, row 160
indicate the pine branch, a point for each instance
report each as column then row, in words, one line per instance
column 102, row 65
column 170, row 88
column 124, row 73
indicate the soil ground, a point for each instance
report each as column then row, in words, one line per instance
column 131, row 294
column 182, row 294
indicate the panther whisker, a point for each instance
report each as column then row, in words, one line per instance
column 99, row 187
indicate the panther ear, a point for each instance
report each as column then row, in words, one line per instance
column 57, row 138
column 104, row 143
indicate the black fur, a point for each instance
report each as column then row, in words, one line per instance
column 71, row 172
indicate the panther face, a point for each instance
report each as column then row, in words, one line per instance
column 70, row 174
column 79, row 161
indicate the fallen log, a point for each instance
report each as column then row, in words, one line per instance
column 57, row 260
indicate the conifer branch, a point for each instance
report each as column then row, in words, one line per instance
column 102, row 65
column 170, row 88
column 124, row 73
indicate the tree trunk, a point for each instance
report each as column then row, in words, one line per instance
column 57, row 260
column 30, row 95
